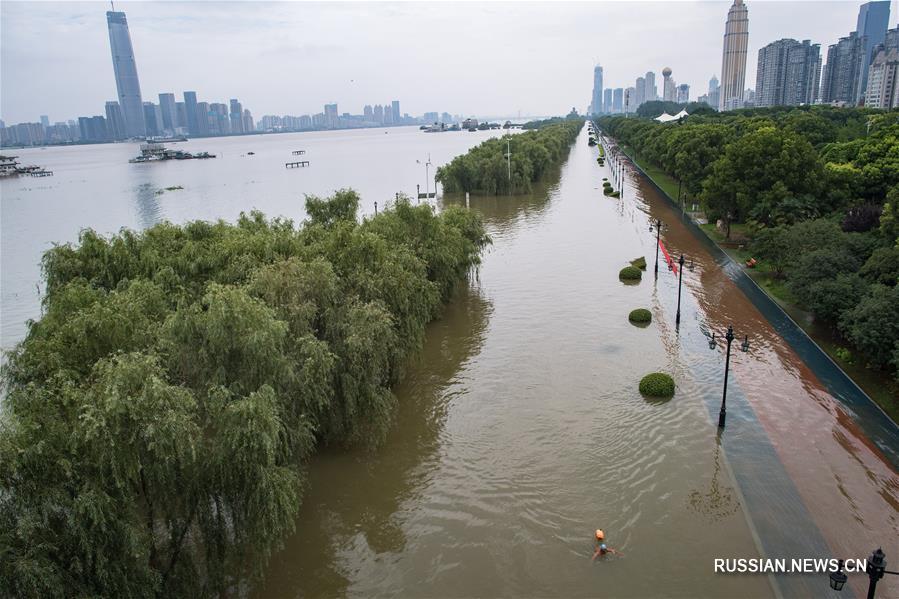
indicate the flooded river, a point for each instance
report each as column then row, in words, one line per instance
column 521, row 430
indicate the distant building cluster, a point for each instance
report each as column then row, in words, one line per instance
column 862, row 70
column 130, row 117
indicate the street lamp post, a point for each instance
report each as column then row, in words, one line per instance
column 680, row 278
column 658, row 224
column 876, row 568
column 729, row 336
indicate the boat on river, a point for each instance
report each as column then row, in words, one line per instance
column 157, row 152
column 10, row 167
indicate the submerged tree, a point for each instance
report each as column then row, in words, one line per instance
column 158, row 415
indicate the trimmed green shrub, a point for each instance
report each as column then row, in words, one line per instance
column 630, row 273
column 640, row 315
column 657, row 384
column 615, row 194
column 639, row 263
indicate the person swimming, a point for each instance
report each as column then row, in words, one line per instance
column 601, row 548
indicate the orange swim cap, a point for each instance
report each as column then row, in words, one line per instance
column 600, row 534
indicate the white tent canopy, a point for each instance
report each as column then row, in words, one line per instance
column 667, row 118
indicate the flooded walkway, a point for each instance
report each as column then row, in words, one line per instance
column 521, row 430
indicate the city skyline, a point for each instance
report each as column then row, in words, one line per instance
column 158, row 31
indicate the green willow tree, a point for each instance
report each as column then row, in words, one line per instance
column 159, row 413
column 484, row 169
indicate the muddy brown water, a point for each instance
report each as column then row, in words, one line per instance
column 521, row 429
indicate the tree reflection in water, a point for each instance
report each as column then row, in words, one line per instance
column 719, row 501
column 352, row 517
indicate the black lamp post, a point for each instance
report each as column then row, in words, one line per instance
column 876, row 567
column 680, row 278
column 729, row 336
column 658, row 224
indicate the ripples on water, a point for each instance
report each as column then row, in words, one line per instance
column 542, row 436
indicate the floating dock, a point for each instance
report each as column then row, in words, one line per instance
column 297, row 164
column 298, row 152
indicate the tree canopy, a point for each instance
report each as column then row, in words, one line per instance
column 159, row 413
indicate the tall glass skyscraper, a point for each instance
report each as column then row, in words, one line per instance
column 126, row 74
column 596, row 99
column 873, row 21
column 733, row 61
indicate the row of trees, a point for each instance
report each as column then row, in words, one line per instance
column 817, row 189
column 484, row 169
column 158, row 414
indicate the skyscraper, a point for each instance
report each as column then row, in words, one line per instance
column 331, row 118
column 180, row 115
column 683, row 93
column 193, row 118
column 640, row 90
column 596, row 101
column 652, row 93
column 125, row 69
column 607, row 100
column 714, row 92
column 669, row 92
column 152, row 124
column 733, row 60
column 803, row 74
column 883, row 80
column 788, row 73
column 395, row 110
column 873, row 20
column 618, row 99
column 840, row 82
column 630, row 100
column 115, row 122
column 236, row 116
column 167, row 107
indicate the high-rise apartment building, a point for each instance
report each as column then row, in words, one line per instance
column 236, row 116
column 840, row 81
column 652, row 92
column 180, row 115
column 683, row 93
column 714, row 92
column 883, row 80
column 640, row 91
column 618, row 100
column 115, row 121
column 202, row 116
column 378, row 114
column 152, row 119
column 788, row 73
column 193, row 114
column 125, row 69
column 733, row 60
column 331, row 118
column 395, row 110
column 167, row 108
column 607, row 100
column 630, row 100
column 803, row 77
column 873, row 21
column 596, row 101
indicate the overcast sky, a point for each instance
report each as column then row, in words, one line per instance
column 464, row 58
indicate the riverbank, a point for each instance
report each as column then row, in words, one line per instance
column 879, row 386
